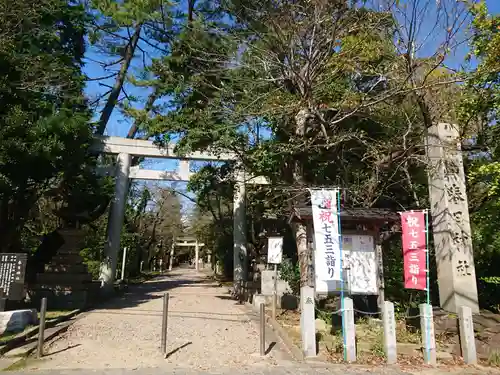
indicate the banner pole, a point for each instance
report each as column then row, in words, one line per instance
column 427, row 257
column 341, row 276
column 427, row 261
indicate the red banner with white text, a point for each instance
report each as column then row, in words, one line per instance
column 414, row 249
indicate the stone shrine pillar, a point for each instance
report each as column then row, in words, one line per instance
column 171, row 257
column 115, row 222
column 450, row 220
column 196, row 256
column 239, row 231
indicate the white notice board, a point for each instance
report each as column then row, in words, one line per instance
column 359, row 265
column 274, row 250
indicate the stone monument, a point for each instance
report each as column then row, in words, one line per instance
column 450, row 220
column 66, row 282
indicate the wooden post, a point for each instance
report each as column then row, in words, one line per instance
column 380, row 270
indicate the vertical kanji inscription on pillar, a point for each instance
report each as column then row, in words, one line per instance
column 450, row 219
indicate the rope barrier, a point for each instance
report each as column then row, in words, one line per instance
column 371, row 313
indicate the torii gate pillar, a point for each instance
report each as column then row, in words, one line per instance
column 197, row 256
column 115, row 222
column 171, row 257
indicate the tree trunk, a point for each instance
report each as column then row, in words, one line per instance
column 132, row 131
column 300, row 228
column 190, row 11
column 120, row 80
column 304, row 254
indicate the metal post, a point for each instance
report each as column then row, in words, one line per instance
column 345, row 317
column 275, row 290
column 428, row 337
column 164, row 324
column 124, row 261
column 262, row 329
column 41, row 328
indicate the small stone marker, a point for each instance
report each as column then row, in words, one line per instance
column 428, row 338
column 350, row 330
column 390, row 346
column 467, row 338
column 307, row 321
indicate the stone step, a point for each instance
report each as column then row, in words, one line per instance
column 71, row 232
column 56, row 278
column 67, row 259
column 74, row 248
column 69, row 249
column 72, row 237
column 64, row 288
column 66, row 268
column 62, row 299
column 66, row 297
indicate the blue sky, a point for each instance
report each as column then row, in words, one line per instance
column 119, row 124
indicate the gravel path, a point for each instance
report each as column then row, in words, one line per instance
column 206, row 330
column 249, row 370
column 208, row 334
column 266, row 368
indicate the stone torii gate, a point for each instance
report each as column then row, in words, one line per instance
column 187, row 242
column 123, row 171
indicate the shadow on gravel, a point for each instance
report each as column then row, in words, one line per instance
column 226, row 298
column 271, row 346
column 136, row 295
column 190, row 315
column 62, row 350
column 177, row 349
column 179, row 312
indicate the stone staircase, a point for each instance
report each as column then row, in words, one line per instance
column 66, row 282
